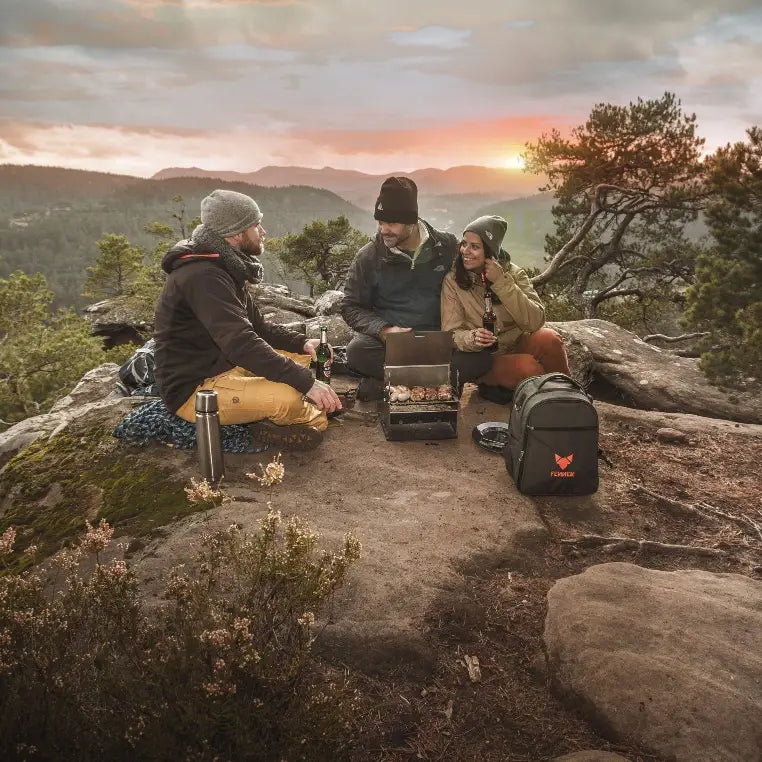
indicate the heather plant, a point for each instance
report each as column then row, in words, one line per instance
column 220, row 667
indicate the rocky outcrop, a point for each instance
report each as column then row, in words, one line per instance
column 118, row 322
column 685, row 423
column 339, row 333
column 669, row 661
column 654, row 379
column 282, row 317
column 94, row 394
column 275, row 295
column 329, row 303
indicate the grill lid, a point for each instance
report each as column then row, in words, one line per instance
column 419, row 348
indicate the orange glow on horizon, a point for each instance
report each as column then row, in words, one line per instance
column 144, row 150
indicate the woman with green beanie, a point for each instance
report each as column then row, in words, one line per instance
column 520, row 346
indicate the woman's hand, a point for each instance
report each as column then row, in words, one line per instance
column 483, row 338
column 492, row 270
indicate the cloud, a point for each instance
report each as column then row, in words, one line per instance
column 520, row 24
column 207, row 3
column 307, row 79
column 431, row 36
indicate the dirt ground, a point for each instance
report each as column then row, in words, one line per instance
column 456, row 563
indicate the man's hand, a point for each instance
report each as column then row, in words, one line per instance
column 483, row 337
column 492, row 270
column 310, row 347
column 391, row 329
column 323, row 397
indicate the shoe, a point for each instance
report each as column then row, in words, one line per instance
column 497, row 394
column 295, row 436
column 370, row 389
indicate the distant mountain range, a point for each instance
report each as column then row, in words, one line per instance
column 50, row 218
column 361, row 188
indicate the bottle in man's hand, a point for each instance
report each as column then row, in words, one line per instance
column 323, row 362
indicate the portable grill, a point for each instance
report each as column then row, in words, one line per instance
column 419, row 359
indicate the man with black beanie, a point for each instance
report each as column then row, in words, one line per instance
column 394, row 282
column 210, row 334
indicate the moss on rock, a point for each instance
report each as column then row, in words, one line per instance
column 51, row 488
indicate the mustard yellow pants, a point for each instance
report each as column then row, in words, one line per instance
column 243, row 397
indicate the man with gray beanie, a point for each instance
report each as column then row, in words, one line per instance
column 210, row 334
column 394, row 281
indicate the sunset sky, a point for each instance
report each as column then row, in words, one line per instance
column 132, row 86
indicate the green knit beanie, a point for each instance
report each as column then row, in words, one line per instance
column 491, row 229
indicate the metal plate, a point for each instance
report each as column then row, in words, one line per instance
column 492, row 435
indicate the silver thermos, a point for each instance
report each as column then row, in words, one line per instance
column 208, row 436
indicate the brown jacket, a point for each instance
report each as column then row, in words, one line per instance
column 520, row 310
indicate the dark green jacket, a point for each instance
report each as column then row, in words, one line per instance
column 384, row 288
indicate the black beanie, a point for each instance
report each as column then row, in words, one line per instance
column 397, row 201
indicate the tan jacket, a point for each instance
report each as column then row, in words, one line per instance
column 520, row 310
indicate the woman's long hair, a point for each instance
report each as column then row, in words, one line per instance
column 463, row 277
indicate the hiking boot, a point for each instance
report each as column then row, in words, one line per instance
column 370, row 389
column 295, row 436
column 497, row 394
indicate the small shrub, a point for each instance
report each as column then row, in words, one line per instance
column 221, row 668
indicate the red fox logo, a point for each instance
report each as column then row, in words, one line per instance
column 563, row 463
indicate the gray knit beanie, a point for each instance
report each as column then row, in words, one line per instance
column 491, row 229
column 228, row 213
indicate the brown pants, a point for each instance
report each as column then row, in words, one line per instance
column 534, row 355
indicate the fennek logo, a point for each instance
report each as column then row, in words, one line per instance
column 563, row 461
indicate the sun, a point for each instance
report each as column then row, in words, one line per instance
column 513, row 162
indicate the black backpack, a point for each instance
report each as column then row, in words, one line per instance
column 552, row 446
column 136, row 377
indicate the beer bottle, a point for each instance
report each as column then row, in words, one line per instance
column 323, row 352
column 489, row 318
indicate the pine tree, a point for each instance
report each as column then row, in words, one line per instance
column 114, row 270
column 726, row 298
column 626, row 184
column 321, row 253
column 42, row 353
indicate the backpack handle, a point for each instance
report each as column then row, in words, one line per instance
column 560, row 377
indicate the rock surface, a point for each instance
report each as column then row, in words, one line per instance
column 329, row 303
column 272, row 295
column 417, row 530
column 114, row 314
column 669, row 661
column 655, row 379
column 671, row 436
column 339, row 333
column 685, row 422
column 281, row 316
column 95, row 393
column 591, row 755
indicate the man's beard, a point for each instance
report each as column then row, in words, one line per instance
column 251, row 249
column 391, row 241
